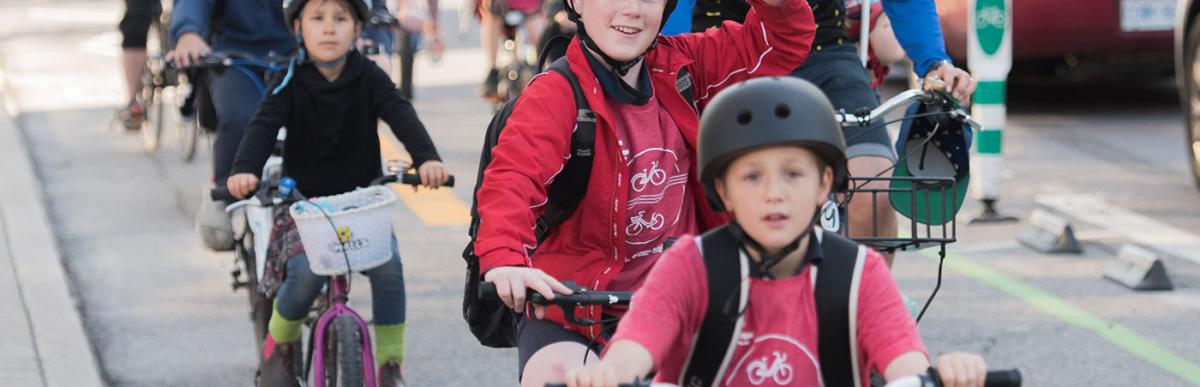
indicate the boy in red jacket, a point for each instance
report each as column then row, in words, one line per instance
column 643, row 189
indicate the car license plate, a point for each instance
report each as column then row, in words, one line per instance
column 1147, row 15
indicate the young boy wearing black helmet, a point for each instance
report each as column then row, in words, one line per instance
column 330, row 100
column 770, row 153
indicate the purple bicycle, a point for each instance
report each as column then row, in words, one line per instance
column 339, row 351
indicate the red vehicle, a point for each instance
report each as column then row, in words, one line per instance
column 1071, row 32
column 1187, row 61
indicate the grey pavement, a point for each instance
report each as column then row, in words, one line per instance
column 41, row 333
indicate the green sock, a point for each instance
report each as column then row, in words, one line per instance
column 389, row 341
column 283, row 330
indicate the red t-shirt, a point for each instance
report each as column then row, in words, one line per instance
column 777, row 344
column 660, row 205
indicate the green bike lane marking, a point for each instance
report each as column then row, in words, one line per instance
column 1115, row 333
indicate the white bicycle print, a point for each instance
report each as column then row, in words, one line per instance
column 779, row 370
column 651, row 176
column 638, row 223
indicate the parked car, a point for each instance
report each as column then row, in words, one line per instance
column 1068, row 34
column 1187, row 64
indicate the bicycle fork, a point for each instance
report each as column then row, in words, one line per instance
column 337, row 288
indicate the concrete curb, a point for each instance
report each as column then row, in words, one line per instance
column 62, row 345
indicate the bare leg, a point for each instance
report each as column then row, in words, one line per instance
column 489, row 36
column 550, row 364
column 861, row 209
column 133, row 60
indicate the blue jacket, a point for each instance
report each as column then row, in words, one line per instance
column 253, row 26
column 918, row 30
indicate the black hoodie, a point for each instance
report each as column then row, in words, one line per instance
column 332, row 142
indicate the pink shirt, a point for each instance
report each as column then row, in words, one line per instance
column 658, row 162
column 777, row 345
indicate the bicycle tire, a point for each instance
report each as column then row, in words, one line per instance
column 152, row 123
column 343, row 356
column 186, row 128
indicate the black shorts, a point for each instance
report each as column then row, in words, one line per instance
column 135, row 25
column 534, row 334
column 837, row 70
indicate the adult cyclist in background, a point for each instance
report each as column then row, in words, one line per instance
column 643, row 188
column 834, row 66
column 134, row 26
column 491, row 26
column 199, row 27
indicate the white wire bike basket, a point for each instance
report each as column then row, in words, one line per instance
column 354, row 227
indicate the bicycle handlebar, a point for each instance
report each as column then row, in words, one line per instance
column 995, row 378
column 222, row 193
column 581, row 297
column 903, row 100
column 230, row 58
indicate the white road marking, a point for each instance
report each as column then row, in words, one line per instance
column 1092, row 209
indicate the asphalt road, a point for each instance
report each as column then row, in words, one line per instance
column 159, row 309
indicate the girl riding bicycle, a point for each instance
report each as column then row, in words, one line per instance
column 632, row 79
column 770, row 154
column 330, row 100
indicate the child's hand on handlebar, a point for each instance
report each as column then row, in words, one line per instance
column 241, row 184
column 511, row 282
column 597, row 374
column 433, row 174
column 960, row 369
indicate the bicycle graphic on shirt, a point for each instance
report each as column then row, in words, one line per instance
column 781, row 372
column 638, row 223
column 651, row 176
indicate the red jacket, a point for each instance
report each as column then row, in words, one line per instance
column 534, row 146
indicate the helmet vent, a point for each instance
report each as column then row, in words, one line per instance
column 782, row 111
column 744, row 117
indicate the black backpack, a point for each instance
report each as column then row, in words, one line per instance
column 492, row 323
column 841, row 264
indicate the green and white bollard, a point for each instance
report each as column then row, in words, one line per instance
column 989, row 55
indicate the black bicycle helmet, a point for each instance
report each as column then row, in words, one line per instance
column 766, row 112
column 292, row 8
column 621, row 67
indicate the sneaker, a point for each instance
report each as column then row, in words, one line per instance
column 390, row 375
column 280, row 367
column 488, row 90
column 213, row 224
column 133, row 115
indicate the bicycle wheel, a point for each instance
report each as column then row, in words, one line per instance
column 152, row 124
column 343, row 353
column 260, row 304
column 186, row 127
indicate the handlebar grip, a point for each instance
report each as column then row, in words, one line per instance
column 1003, row 378
column 414, row 179
column 221, row 194
column 487, row 291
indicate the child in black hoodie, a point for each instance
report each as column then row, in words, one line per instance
column 330, row 100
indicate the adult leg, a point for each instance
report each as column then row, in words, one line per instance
column 546, row 351
column 840, row 75
column 134, row 26
column 235, row 98
column 489, row 38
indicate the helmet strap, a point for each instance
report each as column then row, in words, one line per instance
column 767, row 261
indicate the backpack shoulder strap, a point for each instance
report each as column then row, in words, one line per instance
column 715, row 341
column 836, row 293
column 569, row 187
column 686, row 86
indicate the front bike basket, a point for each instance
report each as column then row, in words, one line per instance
column 927, row 194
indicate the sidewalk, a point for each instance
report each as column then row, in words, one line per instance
column 41, row 334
